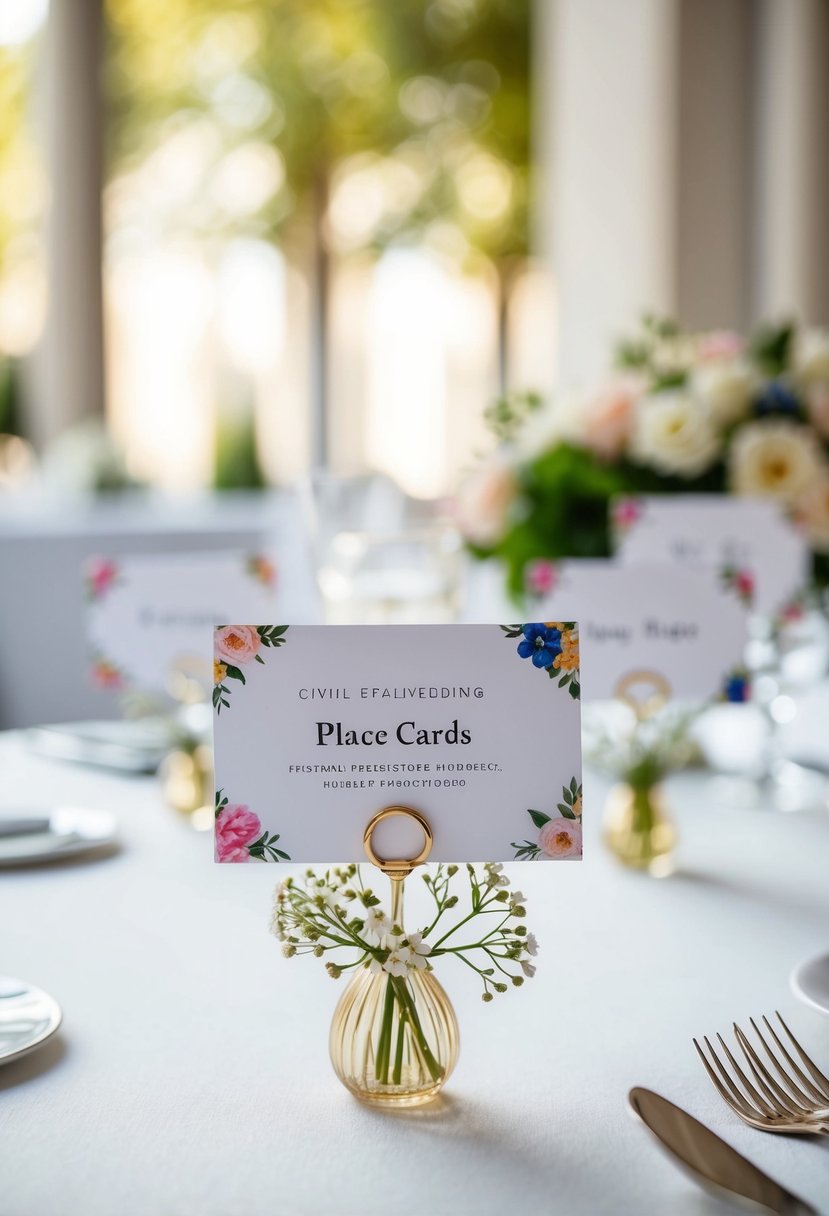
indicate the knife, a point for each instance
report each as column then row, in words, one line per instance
column 715, row 1165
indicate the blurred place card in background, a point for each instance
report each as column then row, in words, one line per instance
column 751, row 537
column 152, row 615
column 475, row 726
column 688, row 626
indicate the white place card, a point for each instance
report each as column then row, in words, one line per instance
column 686, row 626
column 151, row 613
column 475, row 726
column 750, row 536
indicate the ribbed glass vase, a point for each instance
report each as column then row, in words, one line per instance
column 637, row 829
column 394, row 1039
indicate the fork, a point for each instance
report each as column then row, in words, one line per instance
column 801, row 1107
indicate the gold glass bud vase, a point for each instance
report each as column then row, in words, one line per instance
column 637, row 829
column 394, row 1038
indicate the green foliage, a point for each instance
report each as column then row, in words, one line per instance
column 771, row 347
column 508, row 413
column 566, row 493
column 236, row 461
column 11, row 421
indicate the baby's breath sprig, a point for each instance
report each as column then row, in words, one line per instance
column 334, row 911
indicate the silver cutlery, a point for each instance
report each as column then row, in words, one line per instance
column 712, row 1163
column 780, row 1096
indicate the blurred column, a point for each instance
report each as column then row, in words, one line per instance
column 645, row 126
column 713, row 163
column 792, row 136
column 609, row 218
column 73, row 377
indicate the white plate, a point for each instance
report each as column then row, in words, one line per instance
column 56, row 833
column 810, row 982
column 131, row 746
column 28, row 1017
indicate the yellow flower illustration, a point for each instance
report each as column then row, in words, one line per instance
column 576, row 807
column 568, row 660
column 219, row 672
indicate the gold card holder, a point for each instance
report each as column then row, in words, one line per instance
column 394, row 1037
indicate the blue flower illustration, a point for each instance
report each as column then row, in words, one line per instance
column 737, row 687
column 541, row 643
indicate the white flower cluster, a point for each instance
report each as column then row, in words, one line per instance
column 334, row 910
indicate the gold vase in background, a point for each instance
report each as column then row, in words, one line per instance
column 637, row 829
column 187, row 783
column 394, row 1039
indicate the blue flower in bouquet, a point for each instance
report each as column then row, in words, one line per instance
column 541, row 643
column 776, row 398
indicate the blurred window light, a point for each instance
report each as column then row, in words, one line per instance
column 20, row 20
column 310, row 213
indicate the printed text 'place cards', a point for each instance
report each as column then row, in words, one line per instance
column 686, row 626
column 152, row 614
column 750, row 537
column 475, row 726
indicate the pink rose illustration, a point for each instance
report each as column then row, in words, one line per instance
column 237, row 644
column 101, row 573
column 744, row 584
column 106, row 675
column 261, row 569
column 540, row 577
column 560, row 838
column 236, row 829
column 626, row 512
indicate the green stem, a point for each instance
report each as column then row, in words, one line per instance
column 406, row 1003
column 475, row 912
column 384, row 1042
column 398, row 1054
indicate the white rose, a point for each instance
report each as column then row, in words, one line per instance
column 557, row 421
column 673, row 434
column 775, row 459
column 811, row 356
column 727, row 387
column 812, row 512
column 483, row 503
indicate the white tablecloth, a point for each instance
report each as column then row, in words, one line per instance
column 191, row 1076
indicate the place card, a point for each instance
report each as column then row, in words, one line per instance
column 686, row 626
column 750, row 536
column 475, row 726
column 150, row 614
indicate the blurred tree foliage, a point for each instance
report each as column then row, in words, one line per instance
column 21, row 192
column 383, row 120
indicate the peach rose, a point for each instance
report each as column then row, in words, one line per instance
column 817, row 407
column 485, row 501
column 608, row 420
column 812, row 513
column 236, row 644
column 560, row 838
column 236, row 828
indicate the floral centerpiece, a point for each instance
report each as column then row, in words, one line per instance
column 683, row 413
